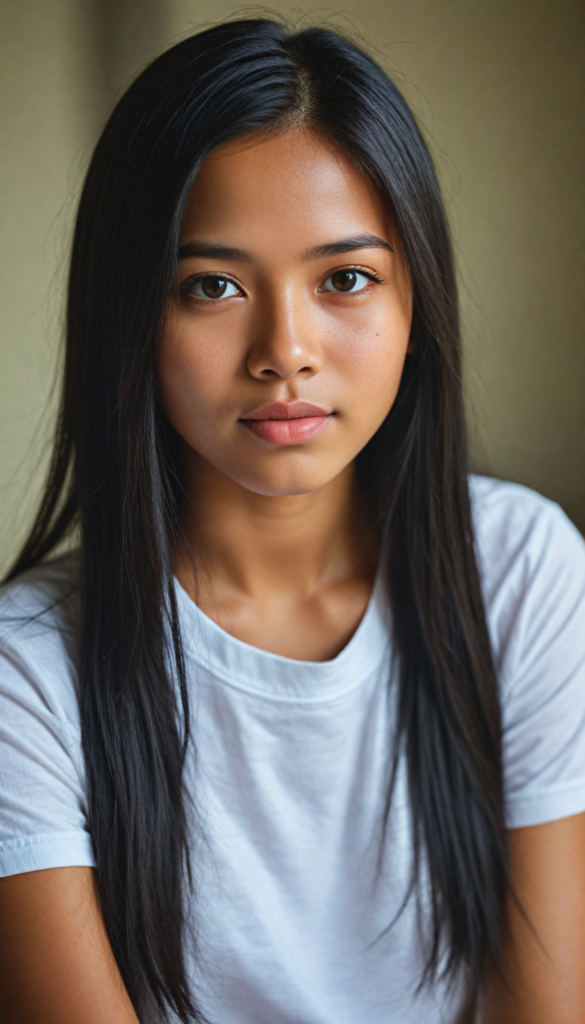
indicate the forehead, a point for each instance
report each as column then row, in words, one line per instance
column 292, row 187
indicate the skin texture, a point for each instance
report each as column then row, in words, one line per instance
column 286, row 553
column 56, row 964
column 546, row 976
column 285, row 547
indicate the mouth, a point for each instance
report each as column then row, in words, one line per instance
column 287, row 423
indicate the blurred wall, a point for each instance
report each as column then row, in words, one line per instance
column 498, row 88
column 50, row 98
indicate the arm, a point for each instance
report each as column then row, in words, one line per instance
column 56, row 964
column 546, row 980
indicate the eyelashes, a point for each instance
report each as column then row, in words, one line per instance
column 346, row 280
column 210, row 288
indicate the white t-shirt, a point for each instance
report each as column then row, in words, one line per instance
column 291, row 773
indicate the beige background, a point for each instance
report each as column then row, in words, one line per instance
column 498, row 88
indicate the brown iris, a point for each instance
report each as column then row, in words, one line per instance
column 344, row 280
column 213, row 287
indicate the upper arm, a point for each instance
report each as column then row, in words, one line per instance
column 544, row 951
column 538, row 620
column 56, row 963
column 536, row 602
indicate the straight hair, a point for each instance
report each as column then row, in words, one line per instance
column 115, row 476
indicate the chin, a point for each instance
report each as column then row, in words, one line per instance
column 282, row 484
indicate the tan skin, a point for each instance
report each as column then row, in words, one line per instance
column 289, row 553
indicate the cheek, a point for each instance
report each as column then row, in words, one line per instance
column 369, row 359
column 192, row 374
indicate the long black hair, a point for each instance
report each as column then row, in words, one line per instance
column 114, row 476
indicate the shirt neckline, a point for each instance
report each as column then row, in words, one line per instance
column 275, row 677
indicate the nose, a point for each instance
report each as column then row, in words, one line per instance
column 286, row 340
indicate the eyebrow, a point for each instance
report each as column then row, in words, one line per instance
column 213, row 251
column 347, row 245
column 217, row 251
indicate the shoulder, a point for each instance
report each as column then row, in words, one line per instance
column 512, row 521
column 532, row 562
column 43, row 820
column 39, row 591
column 38, row 637
column 529, row 551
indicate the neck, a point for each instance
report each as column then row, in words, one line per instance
column 239, row 541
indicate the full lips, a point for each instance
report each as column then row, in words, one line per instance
column 287, row 431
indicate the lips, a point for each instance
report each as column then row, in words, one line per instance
column 287, row 423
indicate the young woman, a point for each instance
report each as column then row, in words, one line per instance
column 296, row 733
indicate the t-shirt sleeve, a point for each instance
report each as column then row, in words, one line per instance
column 543, row 674
column 42, row 799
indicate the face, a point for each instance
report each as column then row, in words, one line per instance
column 285, row 345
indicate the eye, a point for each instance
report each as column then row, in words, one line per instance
column 211, row 286
column 346, row 281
